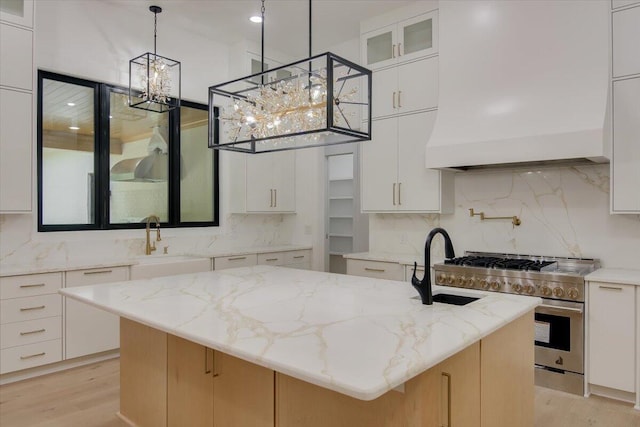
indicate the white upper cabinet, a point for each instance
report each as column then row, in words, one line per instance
column 615, row 4
column 401, row 41
column 16, row 67
column 18, row 12
column 626, row 34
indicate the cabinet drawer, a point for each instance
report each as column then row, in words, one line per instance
column 272, row 258
column 29, row 308
column 626, row 32
column 30, row 332
column 96, row 276
column 247, row 260
column 297, row 257
column 30, row 355
column 375, row 269
column 16, row 68
column 30, row 285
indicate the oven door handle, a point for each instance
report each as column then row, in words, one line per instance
column 554, row 307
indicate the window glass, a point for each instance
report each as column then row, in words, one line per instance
column 197, row 167
column 68, row 147
column 139, row 162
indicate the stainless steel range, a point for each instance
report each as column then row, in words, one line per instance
column 559, row 321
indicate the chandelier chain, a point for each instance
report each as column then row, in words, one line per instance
column 155, row 31
column 262, row 40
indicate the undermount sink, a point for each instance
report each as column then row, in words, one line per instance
column 150, row 266
column 454, row 299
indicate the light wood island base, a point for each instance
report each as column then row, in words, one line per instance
column 169, row 381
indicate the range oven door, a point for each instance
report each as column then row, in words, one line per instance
column 559, row 335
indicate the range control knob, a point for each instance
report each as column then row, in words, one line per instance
column 484, row 284
column 573, row 293
column 495, row 286
column 470, row 282
column 530, row 289
column 451, row 279
column 460, row 280
column 546, row 291
column 558, row 292
column 516, row 287
column 442, row 278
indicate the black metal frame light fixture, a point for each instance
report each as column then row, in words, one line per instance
column 154, row 80
column 318, row 101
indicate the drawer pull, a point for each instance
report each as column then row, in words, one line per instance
column 377, row 270
column 40, row 307
column 87, row 273
column 271, row 259
column 37, row 285
column 238, row 258
column 31, row 356
column 32, row 332
column 611, row 288
column 298, row 256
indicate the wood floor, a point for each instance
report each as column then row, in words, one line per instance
column 88, row 397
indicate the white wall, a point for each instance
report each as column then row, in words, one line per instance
column 94, row 40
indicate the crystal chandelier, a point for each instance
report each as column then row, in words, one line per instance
column 318, row 101
column 154, row 81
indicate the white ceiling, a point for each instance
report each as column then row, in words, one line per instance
column 286, row 22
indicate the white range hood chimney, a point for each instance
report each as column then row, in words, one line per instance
column 521, row 81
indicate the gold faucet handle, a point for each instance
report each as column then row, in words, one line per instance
column 158, row 234
column 153, row 246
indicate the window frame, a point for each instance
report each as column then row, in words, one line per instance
column 101, row 203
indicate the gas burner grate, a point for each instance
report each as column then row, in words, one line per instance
column 503, row 263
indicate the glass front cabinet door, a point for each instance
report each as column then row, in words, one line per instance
column 402, row 41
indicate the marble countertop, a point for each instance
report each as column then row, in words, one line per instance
column 386, row 257
column 354, row 335
column 46, row 266
column 622, row 276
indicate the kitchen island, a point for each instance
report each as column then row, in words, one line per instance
column 265, row 346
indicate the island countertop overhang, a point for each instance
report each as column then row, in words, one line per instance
column 358, row 336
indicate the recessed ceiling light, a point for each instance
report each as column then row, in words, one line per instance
column 256, row 19
column 71, row 104
column 74, row 128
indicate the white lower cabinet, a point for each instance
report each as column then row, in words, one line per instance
column 294, row 259
column 375, row 269
column 394, row 177
column 88, row 329
column 30, row 321
column 245, row 260
column 612, row 335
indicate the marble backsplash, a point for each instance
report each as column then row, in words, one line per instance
column 20, row 245
column 564, row 212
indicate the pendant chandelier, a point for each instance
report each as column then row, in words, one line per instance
column 318, row 101
column 154, row 81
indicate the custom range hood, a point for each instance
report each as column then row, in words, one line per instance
column 521, row 82
column 151, row 168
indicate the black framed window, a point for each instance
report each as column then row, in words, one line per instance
column 103, row 165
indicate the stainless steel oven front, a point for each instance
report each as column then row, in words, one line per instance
column 559, row 345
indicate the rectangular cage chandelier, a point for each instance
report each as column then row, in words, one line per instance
column 318, row 101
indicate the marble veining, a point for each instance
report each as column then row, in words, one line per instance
column 354, row 335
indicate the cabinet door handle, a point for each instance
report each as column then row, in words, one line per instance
column 237, row 258
column 394, row 194
column 87, row 273
column 610, row 288
column 400, row 194
column 31, row 356
column 36, row 285
column 399, row 47
column 40, row 307
column 271, row 198
column 275, row 198
column 399, row 95
column 393, row 99
column 32, row 332
column 393, row 51
column 298, row 256
column 271, row 259
column 446, row 399
column 207, row 369
column 377, row 270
